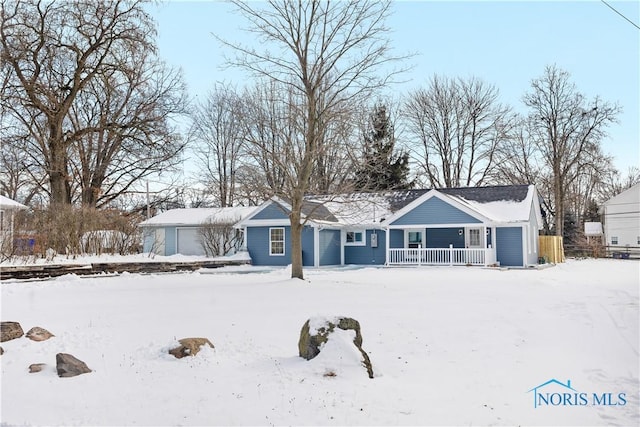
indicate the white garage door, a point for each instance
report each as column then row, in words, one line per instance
column 189, row 242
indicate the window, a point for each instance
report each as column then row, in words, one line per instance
column 276, row 241
column 355, row 238
column 1, row 220
column 614, row 240
column 474, row 237
column 414, row 239
column 638, row 241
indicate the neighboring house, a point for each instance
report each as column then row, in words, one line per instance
column 181, row 231
column 457, row 226
column 8, row 208
column 593, row 232
column 621, row 215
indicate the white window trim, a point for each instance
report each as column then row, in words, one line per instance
column 423, row 235
column 363, row 242
column 284, row 246
column 468, row 238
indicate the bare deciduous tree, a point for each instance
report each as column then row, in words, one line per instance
column 566, row 128
column 78, row 78
column 219, row 238
column 328, row 55
column 120, row 128
column 217, row 133
column 457, row 126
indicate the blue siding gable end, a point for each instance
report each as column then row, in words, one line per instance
column 272, row 211
column 435, row 211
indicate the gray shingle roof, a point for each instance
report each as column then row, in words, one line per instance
column 401, row 198
column 496, row 193
column 353, row 207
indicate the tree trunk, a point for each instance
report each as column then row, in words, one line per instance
column 296, row 245
column 559, row 200
column 58, row 163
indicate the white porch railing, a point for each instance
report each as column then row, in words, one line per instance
column 439, row 256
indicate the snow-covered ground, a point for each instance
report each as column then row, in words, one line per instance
column 449, row 346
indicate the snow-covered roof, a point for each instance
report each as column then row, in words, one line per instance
column 198, row 216
column 508, row 203
column 7, row 203
column 593, row 228
column 500, row 204
column 357, row 209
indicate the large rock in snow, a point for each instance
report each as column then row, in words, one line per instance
column 316, row 331
column 10, row 331
column 189, row 347
column 68, row 366
column 38, row 334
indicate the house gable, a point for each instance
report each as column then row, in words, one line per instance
column 272, row 210
column 630, row 195
column 433, row 208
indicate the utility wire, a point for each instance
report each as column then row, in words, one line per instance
column 627, row 19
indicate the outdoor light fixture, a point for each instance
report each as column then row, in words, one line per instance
column 460, row 232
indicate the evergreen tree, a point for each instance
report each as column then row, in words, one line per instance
column 592, row 213
column 381, row 167
column 570, row 228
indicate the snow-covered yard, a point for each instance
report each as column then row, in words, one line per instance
column 449, row 346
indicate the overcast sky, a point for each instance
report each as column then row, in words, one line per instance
column 505, row 43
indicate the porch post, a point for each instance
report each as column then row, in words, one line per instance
column 342, row 240
column 450, row 254
column 484, row 245
column 386, row 245
column 244, row 237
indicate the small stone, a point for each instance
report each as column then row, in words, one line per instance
column 38, row 334
column 36, row 367
column 10, row 331
column 68, row 366
column 189, row 347
column 1, row 351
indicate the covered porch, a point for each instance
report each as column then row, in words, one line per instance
column 462, row 244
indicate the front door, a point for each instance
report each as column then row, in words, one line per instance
column 415, row 239
column 474, row 238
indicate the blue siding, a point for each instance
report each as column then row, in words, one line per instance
column 329, row 247
column 435, row 211
column 396, row 239
column 443, row 237
column 366, row 254
column 307, row 246
column 273, row 211
column 509, row 246
column 258, row 246
column 148, row 239
column 170, row 240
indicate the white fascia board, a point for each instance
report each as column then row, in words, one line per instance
column 488, row 224
column 264, row 223
column 445, row 198
column 410, row 207
column 535, row 201
column 263, row 205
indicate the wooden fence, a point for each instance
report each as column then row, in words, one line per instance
column 551, row 249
